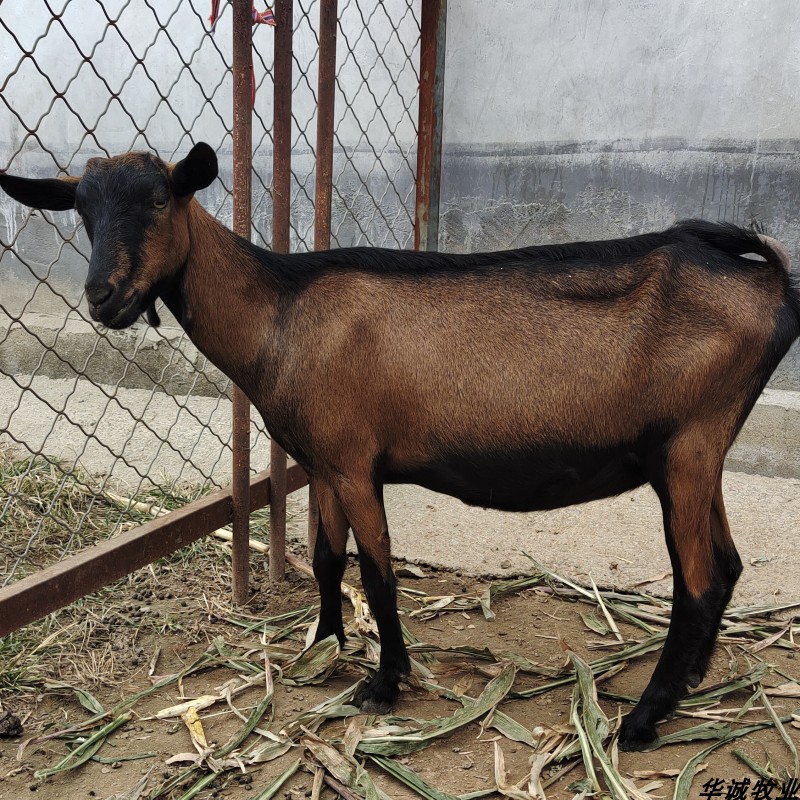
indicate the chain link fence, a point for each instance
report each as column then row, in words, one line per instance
column 87, row 413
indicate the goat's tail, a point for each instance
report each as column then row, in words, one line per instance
column 736, row 241
column 780, row 251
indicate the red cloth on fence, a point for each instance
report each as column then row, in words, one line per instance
column 259, row 18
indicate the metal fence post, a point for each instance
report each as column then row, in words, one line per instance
column 242, row 169
column 281, row 210
column 323, row 181
column 429, row 145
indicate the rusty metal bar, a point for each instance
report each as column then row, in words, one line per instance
column 242, row 169
column 323, row 183
column 52, row 588
column 326, row 98
column 429, row 127
column 281, row 210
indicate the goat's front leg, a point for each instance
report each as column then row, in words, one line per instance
column 363, row 506
column 330, row 559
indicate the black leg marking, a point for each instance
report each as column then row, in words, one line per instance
column 381, row 693
column 727, row 569
column 328, row 570
column 691, row 624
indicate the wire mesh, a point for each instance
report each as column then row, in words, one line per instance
column 140, row 412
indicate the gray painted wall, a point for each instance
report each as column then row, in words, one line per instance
column 590, row 120
column 583, row 119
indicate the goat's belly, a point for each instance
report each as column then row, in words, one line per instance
column 532, row 481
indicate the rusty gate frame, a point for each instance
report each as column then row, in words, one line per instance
column 54, row 587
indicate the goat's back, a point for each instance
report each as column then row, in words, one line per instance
column 517, row 355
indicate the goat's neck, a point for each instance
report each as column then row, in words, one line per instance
column 223, row 302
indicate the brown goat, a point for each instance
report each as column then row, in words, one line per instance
column 519, row 380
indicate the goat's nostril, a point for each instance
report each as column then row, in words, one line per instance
column 97, row 295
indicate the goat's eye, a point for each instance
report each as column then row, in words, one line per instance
column 159, row 203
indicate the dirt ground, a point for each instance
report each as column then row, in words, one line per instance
column 162, row 618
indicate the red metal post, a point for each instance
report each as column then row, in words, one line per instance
column 326, row 98
column 281, row 209
column 323, row 184
column 429, row 128
column 242, row 168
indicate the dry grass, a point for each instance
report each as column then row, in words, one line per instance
column 78, row 649
column 49, row 510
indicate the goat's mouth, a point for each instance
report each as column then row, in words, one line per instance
column 111, row 316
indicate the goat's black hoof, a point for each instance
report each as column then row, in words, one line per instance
column 326, row 631
column 636, row 737
column 370, row 706
column 379, row 695
column 694, row 679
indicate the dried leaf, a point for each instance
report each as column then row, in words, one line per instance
column 510, row 728
column 655, row 773
column 84, row 751
column 390, row 740
column 770, row 640
column 611, row 624
column 135, row 792
column 654, row 578
column 538, row 763
column 182, row 758
column 589, row 718
column 196, row 732
column 594, row 623
column 782, row 731
column 757, row 768
column 434, row 605
column 411, row 779
column 352, row 736
column 409, row 571
column 313, row 665
column 198, row 704
column 501, row 777
column 344, row 768
column 486, row 604
column 790, row 689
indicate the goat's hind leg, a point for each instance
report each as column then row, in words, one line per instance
column 330, row 559
column 727, row 569
column 685, row 484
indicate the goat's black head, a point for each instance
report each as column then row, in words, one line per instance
column 135, row 208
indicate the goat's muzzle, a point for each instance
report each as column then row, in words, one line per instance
column 117, row 309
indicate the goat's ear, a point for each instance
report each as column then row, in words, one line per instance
column 196, row 171
column 54, row 194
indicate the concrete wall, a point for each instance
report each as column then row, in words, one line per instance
column 581, row 119
column 586, row 120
